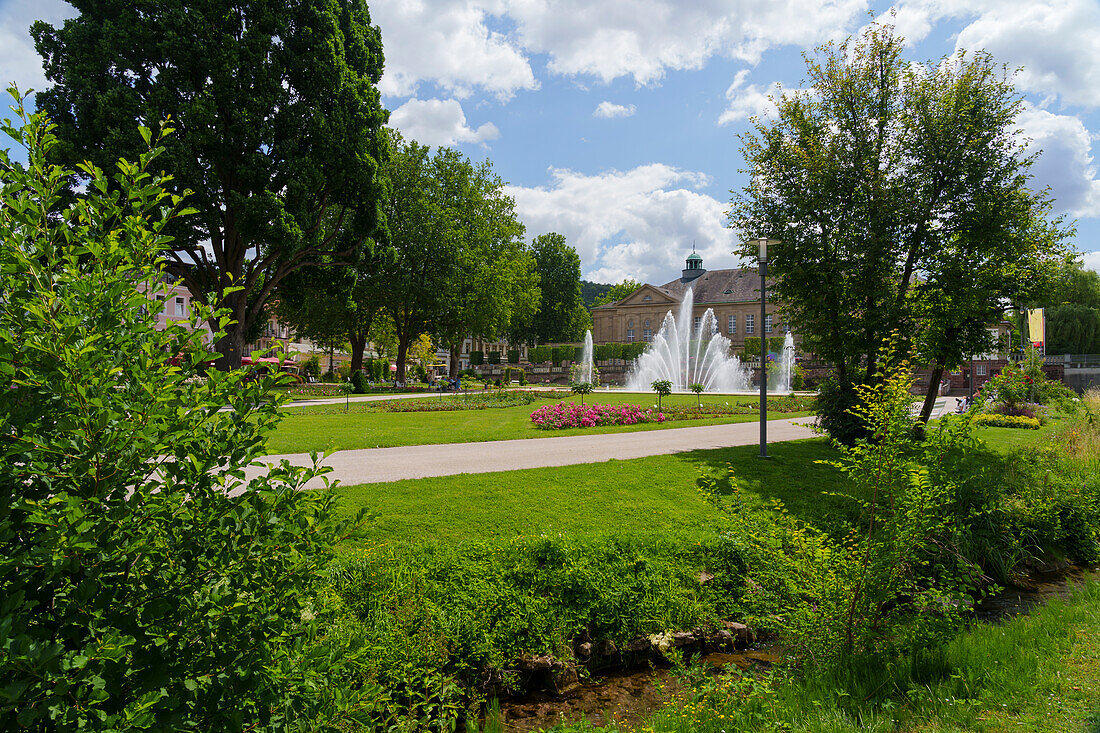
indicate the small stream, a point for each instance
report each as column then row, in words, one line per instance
column 630, row 695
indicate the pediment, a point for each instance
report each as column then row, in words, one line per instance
column 648, row 295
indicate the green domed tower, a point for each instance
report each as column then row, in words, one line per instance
column 693, row 269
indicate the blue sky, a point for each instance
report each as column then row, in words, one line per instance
column 616, row 123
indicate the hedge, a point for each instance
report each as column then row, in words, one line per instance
column 477, row 358
column 993, row 420
column 513, row 356
column 494, row 357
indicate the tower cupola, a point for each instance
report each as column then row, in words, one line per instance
column 693, row 268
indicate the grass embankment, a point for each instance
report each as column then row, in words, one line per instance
column 329, row 427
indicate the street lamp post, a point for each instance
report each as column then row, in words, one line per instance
column 762, row 244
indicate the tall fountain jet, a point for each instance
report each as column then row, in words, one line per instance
column 686, row 358
column 585, row 371
column 779, row 380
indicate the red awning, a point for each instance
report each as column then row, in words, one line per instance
column 248, row 360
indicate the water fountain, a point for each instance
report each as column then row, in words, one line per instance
column 585, row 369
column 686, row 358
column 779, row 380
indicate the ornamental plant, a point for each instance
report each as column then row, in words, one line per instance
column 663, row 388
column 561, row 416
column 698, row 389
column 581, row 388
column 145, row 583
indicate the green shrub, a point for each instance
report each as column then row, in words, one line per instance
column 144, row 584
column 836, row 400
column 994, row 420
column 343, row 372
column 522, row 377
column 555, row 355
column 606, row 352
column 513, row 356
column 311, row 367
column 494, row 357
column 359, row 384
column 567, row 353
column 540, row 354
column 477, row 358
column 633, row 350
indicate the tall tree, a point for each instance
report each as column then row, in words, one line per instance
column 617, row 292
column 459, row 269
column 277, row 122
column 562, row 315
column 900, row 194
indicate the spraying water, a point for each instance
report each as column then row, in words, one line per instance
column 780, row 379
column 686, row 358
column 585, row 370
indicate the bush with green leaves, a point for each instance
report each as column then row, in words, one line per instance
column 359, row 382
column 493, row 357
column 513, row 356
column 540, row 354
column 993, row 420
column 663, row 388
column 834, row 405
column 144, row 582
column 477, row 358
column 311, row 367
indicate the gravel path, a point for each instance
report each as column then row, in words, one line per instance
column 373, row 465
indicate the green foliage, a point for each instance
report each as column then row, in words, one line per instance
column 993, row 420
column 513, row 356
column 143, row 583
column 752, row 345
column 1073, row 329
column 911, row 190
column 632, row 351
column 359, row 382
column 477, row 358
column 798, row 378
column 556, row 355
column 562, row 315
column 522, row 377
column 663, row 388
column 617, row 292
column 311, row 367
column 581, row 388
column 836, row 400
column 540, row 354
column 568, row 353
column 293, row 197
column 605, row 352
column 698, row 389
column 494, row 357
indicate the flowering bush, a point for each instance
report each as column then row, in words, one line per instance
column 560, row 416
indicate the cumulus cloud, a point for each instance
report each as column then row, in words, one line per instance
column 610, row 110
column 1092, row 260
column 1066, row 163
column 19, row 62
column 638, row 223
column 439, row 122
column 450, row 44
column 488, row 44
column 745, row 101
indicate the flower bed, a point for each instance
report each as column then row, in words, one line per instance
column 558, row 417
column 993, row 420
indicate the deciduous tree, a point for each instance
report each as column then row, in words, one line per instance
column 561, row 315
column 278, row 129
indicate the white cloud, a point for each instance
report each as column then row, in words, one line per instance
column 451, row 44
column 1066, row 163
column 439, row 122
column 638, row 223
column 1092, row 260
column 19, row 62
column 610, row 110
column 1057, row 42
column 749, row 101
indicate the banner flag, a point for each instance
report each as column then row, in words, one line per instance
column 1037, row 328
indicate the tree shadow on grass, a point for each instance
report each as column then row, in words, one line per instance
column 810, row 490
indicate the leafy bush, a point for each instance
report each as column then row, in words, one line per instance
column 493, row 357
column 606, row 352
column 836, row 400
column 143, row 583
column 555, row 355
column 477, row 358
column 568, row 353
column 994, row 420
column 513, row 356
column 359, row 383
column 522, row 377
column 632, row 351
column 311, row 367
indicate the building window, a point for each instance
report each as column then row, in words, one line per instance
column 979, row 370
column 731, row 327
column 630, row 335
column 179, row 307
column 647, row 335
column 767, row 324
column 698, row 325
column 647, row 298
column 750, row 323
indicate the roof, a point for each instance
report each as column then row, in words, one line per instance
column 694, row 258
column 719, row 286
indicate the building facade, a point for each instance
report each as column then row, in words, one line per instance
column 733, row 295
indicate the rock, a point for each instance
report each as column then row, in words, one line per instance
column 743, row 634
column 565, row 680
column 536, row 664
column 681, row 639
column 584, row 649
column 721, row 639
column 638, row 645
column 608, row 648
column 705, row 577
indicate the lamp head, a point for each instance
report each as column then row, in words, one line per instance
column 762, row 244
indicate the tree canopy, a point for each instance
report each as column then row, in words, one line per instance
column 900, row 194
column 278, row 129
column 561, row 315
column 459, row 267
column 618, row 291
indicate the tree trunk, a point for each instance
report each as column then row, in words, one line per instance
column 452, row 362
column 933, row 392
column 402, row 351
column 358, row 342
column 231, row 347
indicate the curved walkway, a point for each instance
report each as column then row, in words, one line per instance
column 374, row 465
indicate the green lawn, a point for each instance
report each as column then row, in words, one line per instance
column 640, row 495
column 329, row 427
column 1005, row 439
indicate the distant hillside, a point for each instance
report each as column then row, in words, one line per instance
column 591, row 291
